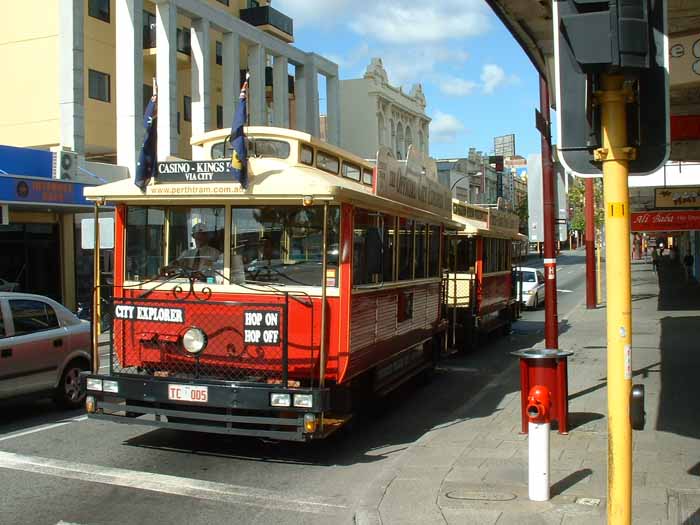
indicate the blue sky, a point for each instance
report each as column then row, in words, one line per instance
column 477, row 81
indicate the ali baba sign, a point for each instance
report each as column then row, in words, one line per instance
column 665, row 221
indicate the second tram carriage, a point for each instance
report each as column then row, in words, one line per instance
column 270, row 311
column 479, row 287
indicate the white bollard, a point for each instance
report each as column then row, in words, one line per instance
column 538, row 461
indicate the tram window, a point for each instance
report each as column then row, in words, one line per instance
column 306, row 156
column 367, row 248
column 434, row 251
column 367, row 177
column 275, row 149
column 421, row 246
column 144, row 242
column 350, row 171
column 388, row 244
column 283, row 245
column 464, row 249
column 405, row 249
column 327, row 162
column 196, row 239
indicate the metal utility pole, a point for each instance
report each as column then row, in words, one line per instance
column 590, row 246
column 551, row 323
column 615, row 156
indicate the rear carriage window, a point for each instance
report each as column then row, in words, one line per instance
column 283, row 245
column 462, row 254
column 145, row 228
column 421, row 246
column 367, row 259
column 367, row 176
column 350, row 171
column 434, row 251
column 405, row 249
column 307, row 155
column 327, row 162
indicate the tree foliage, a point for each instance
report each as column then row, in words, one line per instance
column 523, row 214
column 577, row 199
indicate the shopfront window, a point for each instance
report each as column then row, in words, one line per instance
column 283, row 245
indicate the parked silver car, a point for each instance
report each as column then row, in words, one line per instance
column 43, row 349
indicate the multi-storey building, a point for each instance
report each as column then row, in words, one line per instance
column 375, row 113
column 89, row 67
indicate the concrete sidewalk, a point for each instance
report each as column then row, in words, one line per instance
column 472, row 469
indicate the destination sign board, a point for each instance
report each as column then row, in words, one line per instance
column 194, row 171
column 413, row 182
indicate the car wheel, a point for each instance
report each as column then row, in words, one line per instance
column 71, row 392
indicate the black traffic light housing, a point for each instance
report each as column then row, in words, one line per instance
column 593, row 37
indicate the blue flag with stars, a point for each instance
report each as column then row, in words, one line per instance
column 146, row 166
column 239, row 153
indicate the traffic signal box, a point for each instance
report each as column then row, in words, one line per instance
column 593, row 37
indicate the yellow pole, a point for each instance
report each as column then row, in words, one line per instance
column 599, row 268
column 615, row 155
column 96, row 295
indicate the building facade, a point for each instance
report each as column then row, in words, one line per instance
column 94, row 63
column 375, row 114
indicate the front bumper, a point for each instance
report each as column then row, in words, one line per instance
column 231, row 408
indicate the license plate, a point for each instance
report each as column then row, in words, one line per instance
column 189, row 393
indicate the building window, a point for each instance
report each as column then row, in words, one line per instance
column 253, row 3
column 225, row 2
column 219, row 117
column 99, row 9
column 149, row 30
column 98, row 85
column 184, row 42
column 187, row 109
column 219, row 53
column 178, row 122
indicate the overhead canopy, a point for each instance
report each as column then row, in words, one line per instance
column 530, row 23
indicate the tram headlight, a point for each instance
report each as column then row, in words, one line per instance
column 280, row 400
column 194, row 340
column 303, row 400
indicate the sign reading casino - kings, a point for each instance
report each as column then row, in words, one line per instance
column 194, row 171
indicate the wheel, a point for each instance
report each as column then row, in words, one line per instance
column 70, row 392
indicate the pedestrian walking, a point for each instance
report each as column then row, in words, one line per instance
column 688, row 262
column 655, row 259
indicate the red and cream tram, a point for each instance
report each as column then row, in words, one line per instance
column 479, row 288
column 269, row 311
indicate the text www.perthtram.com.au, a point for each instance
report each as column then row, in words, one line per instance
column 170, row 190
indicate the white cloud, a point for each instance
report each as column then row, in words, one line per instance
column 444, row 128
column 458, row 87
column 394, row 21
column 403, row 22
column 410, row 64
column 493, row 77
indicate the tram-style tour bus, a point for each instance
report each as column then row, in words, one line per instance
column 479, row 296
column 270, row 311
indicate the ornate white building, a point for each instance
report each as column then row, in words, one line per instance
column 375, row 113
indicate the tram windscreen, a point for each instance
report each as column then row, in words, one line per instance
column 283, row 245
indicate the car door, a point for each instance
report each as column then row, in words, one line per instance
column 540, row 283
column 7, row 364
column 38, row 345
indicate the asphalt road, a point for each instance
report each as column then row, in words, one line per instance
column 57, row 466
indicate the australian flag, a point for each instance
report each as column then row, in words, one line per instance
column 146, row 166
column 239, row 155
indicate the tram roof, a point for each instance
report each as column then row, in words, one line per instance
column 273, row 181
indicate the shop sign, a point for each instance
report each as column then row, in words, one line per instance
column 686, row 197
column 662, row 221
column 194, row 171
column 684, row 54
column 41, row 191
